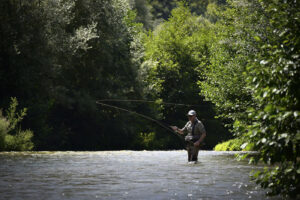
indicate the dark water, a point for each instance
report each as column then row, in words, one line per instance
column 125, row 175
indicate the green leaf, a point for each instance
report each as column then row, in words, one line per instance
column 288, row 170
column 257, row 38
column 283, row 135
column 264, row 62
column 243, row 146
column 297, row 135
column 268, row 108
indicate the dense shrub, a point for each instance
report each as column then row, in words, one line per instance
column 254, row 82
column 12, row 138
column 233, row 145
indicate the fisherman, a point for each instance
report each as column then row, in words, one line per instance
column 195, row 135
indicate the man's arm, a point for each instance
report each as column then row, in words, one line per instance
column 178, row 130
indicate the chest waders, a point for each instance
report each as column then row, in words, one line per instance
column 191, row 149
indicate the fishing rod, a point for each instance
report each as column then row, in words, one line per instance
column 141, row 115
column 145, row 101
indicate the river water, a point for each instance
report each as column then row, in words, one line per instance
column 125, row 175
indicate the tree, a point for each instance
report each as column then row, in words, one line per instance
column 252, row 81
column 143, row 14
column 274, row 80
column 25, row 70
column 161, row 9
column 63, row 56
column 175, row 54
column 96, row 61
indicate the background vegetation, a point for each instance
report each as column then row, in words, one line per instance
column 12, row 138
column 235, row 62
column 60, row 56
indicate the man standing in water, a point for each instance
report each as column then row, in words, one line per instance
column 195, row 135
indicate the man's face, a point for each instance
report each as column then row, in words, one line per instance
column 191, row 117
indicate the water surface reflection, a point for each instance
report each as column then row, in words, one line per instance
column 125, row 175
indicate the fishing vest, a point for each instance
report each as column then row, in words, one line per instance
column 194, row 131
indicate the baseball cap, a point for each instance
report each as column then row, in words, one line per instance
column 191, row 113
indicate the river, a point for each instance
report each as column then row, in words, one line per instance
column 125, row 175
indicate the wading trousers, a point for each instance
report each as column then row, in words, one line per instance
column 192, row 152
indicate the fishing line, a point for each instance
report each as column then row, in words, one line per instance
column 145, row 101
column 141, row 115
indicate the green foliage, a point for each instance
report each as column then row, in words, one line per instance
column 12, row 117
column 233, row 145
column 274, row 82
column 175, row 53
column 148, row 141
column 253, row 80
column 80, row 51
column 225, row 80
column 12, row 138
column 19, row 142
column 63, row 55
column 162, row 9
column 4, row 124
column 142, row 8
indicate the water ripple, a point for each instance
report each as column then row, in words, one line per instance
column 125, row 175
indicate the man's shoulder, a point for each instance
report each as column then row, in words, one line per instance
column 199, row 123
